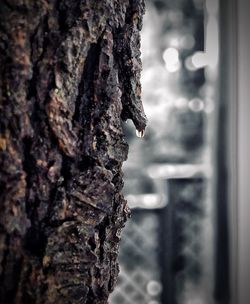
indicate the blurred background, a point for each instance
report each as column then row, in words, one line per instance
column 175, row 249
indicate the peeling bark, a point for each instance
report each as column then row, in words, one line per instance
column 69, row 75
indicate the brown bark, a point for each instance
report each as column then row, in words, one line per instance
column 69, row 75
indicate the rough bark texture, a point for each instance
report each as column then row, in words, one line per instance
column 69, row 75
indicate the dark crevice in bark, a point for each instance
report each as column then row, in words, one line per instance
column 26, row 297
column 112, row 165
column 86, row 86
column 17, row 270
column 31, row 92
column 28, row 164
column 92, row 243
column 66, row 174
column 6, row 3
column 8, row 287
column 5, row 256
column 35, row 239
column 90, row 297
column 85, row 162
column 4, row 10
column 54, row 193
column 102, row 236
column 32, row 87
column 68, row 14
column 62, row 16
column 20, row 8
column 130, row 12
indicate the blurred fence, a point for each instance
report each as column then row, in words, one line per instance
column 167, row 248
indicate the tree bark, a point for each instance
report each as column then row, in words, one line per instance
column 69, row 75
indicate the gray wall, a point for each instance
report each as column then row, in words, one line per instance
column 243, row 152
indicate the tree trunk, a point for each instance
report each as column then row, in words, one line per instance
column 70, row 74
